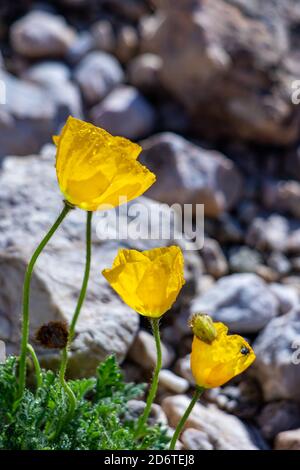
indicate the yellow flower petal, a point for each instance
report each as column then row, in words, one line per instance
column 216, row 363
column 96, row 169
column 148, row 281
column 55, row 139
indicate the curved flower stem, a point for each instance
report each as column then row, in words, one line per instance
column 37, row 367
column 85, row 277
column 198, row 392
column 64, row 359
column 26, row 298
column 68, row 390
column 153, row 389
column 70, row 394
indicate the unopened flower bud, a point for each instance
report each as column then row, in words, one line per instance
column 203, row 327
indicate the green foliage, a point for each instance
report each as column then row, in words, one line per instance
column 38, row 422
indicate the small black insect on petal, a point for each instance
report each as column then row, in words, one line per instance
column 245, row 350
column 53, row 335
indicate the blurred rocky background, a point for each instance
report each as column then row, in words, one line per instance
column 206, row 86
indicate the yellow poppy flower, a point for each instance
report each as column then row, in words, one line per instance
column 148, row 281
column 215, row 363
column 95, row 169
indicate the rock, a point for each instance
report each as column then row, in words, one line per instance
column 244, row 260
column 168, row 4
column 283, row 196
column 66, row 96
column 214, row 259
column 40, row 34
column 230, row 230
column 172, row 116
column 132, row 372
column 143, row 72
column 277, row 417
column 287, row 297
column 193, row 274
column 171, row 336
column 269, row 233
column 222, row 401
column 132, row 10
column 279, row 263
column 47, row 72
column 288, row 440
column 247, row 401
column 147, row 29
column 292, row 163
column 55, row 80
column 247, row 211
column 75, row 3
column 193, row 439
column 143, row 351
column 127, row 43
column 172, row 382
column 292, row 281
column 143, row 224
column 83, row 44
column 277, row 358
column 125, row 112
column 205, row 283
column 29, row 117
column 223, row 431
column 295, row 262
column 201, row 45
column 157, row 416
column 183, row 368
column 293, row 242
column 30, row 204
column 53, row 298
column 243, row 400
column 242, row 301
column 266, row 273
column 190, row 174
column 226, row 229
column 2, row 352
column 170, row 433
column 97, row 74
column 136, row 408
column 104, row 36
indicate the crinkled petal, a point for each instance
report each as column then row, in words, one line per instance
column 148, row 281
column 127, row 272
column 96, row 169
column 163, row 280
column 216, row 363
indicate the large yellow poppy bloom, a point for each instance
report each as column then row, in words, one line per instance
column 148, row 281
column 215, row 363
column 95, row 169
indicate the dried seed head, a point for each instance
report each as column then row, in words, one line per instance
column 53, row 335
column 203, row 327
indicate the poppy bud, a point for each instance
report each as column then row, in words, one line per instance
column 203, row 327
